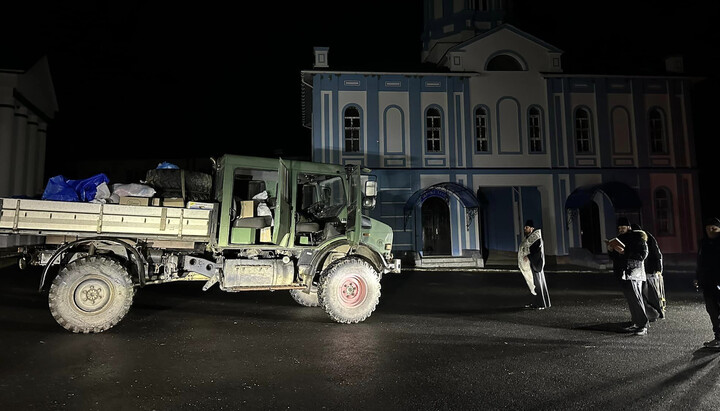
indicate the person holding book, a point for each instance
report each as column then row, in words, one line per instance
column 628, row 252
column 654, row 286
column 708, row 276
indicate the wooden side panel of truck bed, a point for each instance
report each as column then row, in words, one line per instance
column 41, row 217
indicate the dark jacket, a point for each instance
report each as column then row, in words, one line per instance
column 654, row 260
column 708, row 262
column 629, row 266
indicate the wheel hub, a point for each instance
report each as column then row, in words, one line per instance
column 92, row 295
column 353, row 291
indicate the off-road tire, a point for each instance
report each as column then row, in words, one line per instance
column 349, row 290
column 168, row 183
column 305, row 299
column 91, row 295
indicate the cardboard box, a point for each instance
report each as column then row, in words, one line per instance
column 136, row 201
column 156, row 201
column 266, row 235
column 247, row 209
column 199, row 205
column 173, row 202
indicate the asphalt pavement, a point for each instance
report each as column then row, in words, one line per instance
column 439, row 340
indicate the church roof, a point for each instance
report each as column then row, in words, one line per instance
column 509, row 27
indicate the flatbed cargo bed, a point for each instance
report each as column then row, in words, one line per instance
column 44, row 218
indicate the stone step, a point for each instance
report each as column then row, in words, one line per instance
column 447, row 261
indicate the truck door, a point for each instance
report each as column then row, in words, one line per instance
column 283, row 207
column 354, row 209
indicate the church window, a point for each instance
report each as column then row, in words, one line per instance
column 504, row 62
column 656, row 127
column 583, row 136
column 482, row 143
column 663, row 211
column 535, row 130
column 352, row 130
column 433, row 126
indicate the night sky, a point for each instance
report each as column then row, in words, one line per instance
column 195, row 79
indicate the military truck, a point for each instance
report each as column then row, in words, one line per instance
column 271, row 224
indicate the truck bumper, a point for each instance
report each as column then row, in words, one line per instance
column 394, row 266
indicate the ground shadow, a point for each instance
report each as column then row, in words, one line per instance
column 606, row 327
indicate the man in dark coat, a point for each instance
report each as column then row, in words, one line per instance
column 708, row 276
column 654, row 286
column 629, row 269
column 531, row 261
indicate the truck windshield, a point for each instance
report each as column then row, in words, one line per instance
column 332, row 192
column 321, row 196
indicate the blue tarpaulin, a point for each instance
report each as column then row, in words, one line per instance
column 60, row 189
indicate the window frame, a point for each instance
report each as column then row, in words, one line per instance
column 433, row 134
column 485, row 128
column 664, row 213
column 540, row 137
column 352, row 128
column 657, row 134
column 588, row 138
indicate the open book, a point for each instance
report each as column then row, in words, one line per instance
column 615, row 244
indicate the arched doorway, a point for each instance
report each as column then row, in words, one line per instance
column 436, row 227
column 581, row 203
column 590, row 227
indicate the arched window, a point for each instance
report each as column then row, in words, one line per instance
column 482, row 143
column 663, row 211
column 535, row 130
column 504, row 62
column 656, row 128
column 583, row 135
column 433, row 126
column 352, row 130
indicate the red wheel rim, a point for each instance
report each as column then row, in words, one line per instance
column 353, row 291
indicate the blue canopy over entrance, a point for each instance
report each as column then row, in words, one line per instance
column 445, row 190
column 621, row 196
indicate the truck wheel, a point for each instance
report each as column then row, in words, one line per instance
column 305, row 299
column 349, row 290
column 91, row 295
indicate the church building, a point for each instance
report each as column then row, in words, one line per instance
column 496, row 133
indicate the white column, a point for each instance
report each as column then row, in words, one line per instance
column 31, row 155
column 7, row 120
column 19, row 152
column 40, row 180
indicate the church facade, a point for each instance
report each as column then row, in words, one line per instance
column 497, row 134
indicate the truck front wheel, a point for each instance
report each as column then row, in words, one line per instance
column 91, row 295
column 349, row 290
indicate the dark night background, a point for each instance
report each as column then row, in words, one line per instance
column 159, row 80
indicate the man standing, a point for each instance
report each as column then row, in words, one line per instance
column 629, row 269
column 708, row 276
column 654, row 286
column 531, row 261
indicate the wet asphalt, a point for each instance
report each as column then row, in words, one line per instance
column 454, row 340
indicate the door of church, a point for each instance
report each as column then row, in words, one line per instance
column 436, row 227
column 590, row 226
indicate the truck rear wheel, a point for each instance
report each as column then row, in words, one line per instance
column 305, row 299
column 349, row 290
column 91, row 295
